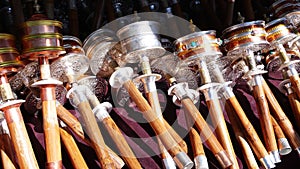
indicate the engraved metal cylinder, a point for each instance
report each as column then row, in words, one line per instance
column 141, row 38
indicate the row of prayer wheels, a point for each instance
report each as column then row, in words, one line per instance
column 56, row 70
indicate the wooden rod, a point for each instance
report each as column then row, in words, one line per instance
column 283, row 144
column 265, row 118
column 232, row 104
column 114, row 131
column 19, row 135
column 74, row 153
column 51, row 128
column 69, row 119
column 158, row 126
column 218, row 120
column 295, row 104
column 241, row 138
column 95, row 135
column 7, row 147
column 153, row 100
column 295, row 81
column 205, row 131
column 281, row 118
column 6, row 161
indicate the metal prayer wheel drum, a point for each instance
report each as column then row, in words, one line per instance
column 68, row 67
column 281, row 8
column 248, row 35
column 203, row 44
column 278, row 32
column 9, row 56
column 41, row 27
column 293, row 19
column 140, row 38
column 72, row 44
column 96, row 38
column 42, row 38
column 100, row 48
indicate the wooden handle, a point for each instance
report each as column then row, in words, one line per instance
column 70, row 120
column 115, row 133
column 19, row 137
column 222, row 133
column 196, row 143
column 208, row 136
column 239, row 134
column 74, row 153
column 157, row 125
column 278, row 131
column 95, row 135
column 126, row 152
column 154, row 103
column 295, row 104
column 51, row 128
column 6, row 161
column 281, row 117
column 265, row 118
column 5, row 145
column 295, row 81
column 232, row 105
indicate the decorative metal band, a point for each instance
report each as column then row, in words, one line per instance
column 244, row 41
column 199, row 50
column 54, row 165
column 6, row 36
column 8, row 50
column 278, row 35
column 45, row 35
column 42, row 23
column 243, row 30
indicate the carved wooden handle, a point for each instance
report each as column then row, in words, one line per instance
column 74, row 153
column 157, row 125
column 265, row 118
column 204, row 129
column 232, row 105
column 281, row 118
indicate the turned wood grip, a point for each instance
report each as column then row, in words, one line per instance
column 157, row 125
column 196, row 143
column 278, row 131
column 6, row 161
column 154, row 103
column 239, row 134
column 217, row 116
column 295, row 81
column 74, row 153
column 232, row 105
column 70, row 120
column 126, row 152
column 95, row 135
column 19, row 137
column 281, row 118
column 202, row 126
column 265, row 118
column 295, row 104
column 51, row 131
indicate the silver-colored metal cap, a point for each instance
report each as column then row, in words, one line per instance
column 201, row 162
column 275, row 156
column 169, row 163
column 284, row 146
column 120, row 76
column 267, row 162
column 183, row 161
